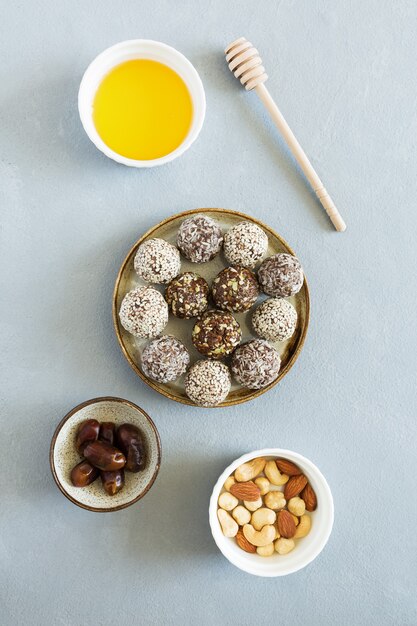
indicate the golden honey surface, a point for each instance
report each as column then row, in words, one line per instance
column 142, row 109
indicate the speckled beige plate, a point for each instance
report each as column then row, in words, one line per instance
column 63, row 454
column 128, row 279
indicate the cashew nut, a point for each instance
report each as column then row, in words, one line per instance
column 303, row 527
column 267, row 550
column 283, row 546
column 263, row 484
column 262, row 517
column 277, row 535
column 274, row 475
column 275, row 500
column 228, row 524
column 229, row 482
column 252, row 506
column 249, row 470
column 261, row 537
column 296, row 506
column 241, row 515
column 227, row 501
column 295, row 518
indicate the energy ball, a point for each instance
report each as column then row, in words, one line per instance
column 144, row 312
column 157, row 261
column 255, row 364
column 216, row 334
column 281, row 275
column 235, row 289
column 207, row 382
column 275, row 319
column 245, row 244
column 187, row 295
column 199, row 238
column 165, row 359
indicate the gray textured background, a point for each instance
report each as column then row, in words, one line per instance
column 344, row 75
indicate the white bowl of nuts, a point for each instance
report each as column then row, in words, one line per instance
column 271, row 512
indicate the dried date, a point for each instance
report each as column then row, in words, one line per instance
column 129, row 440
column 104, row 456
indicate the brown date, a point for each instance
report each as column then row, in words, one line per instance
column 107, row 431
column 87, row 431
column 113, row 481
column 104, row 456
column 130, row 442
column 83, row 474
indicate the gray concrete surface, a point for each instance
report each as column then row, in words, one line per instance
column 344, row 75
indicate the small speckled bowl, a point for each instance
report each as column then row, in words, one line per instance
column 63, row 454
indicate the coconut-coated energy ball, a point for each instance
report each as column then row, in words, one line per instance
column 281, row 275
column 275, row 319
column 235, row 289
column 157, row 261
column 216, row 334
column 187, row 295
column 144, row 312
column 199, row 238
column 165, row 359
column 245, row 244
column 207, row 382
column 255, row 364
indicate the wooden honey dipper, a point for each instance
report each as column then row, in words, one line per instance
column 246, row 64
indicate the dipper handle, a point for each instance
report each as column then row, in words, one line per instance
column 301, row 157
column 246, row 64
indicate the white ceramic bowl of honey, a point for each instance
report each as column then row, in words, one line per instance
column 142, row 103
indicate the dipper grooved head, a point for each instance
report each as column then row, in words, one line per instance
column 245, row 63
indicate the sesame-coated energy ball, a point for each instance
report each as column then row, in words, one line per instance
column 207, row 382
column 281, row 275
column 255, row 364
column 199, row 238
column 165, row 359
column 157, row 261
column 245, row 244
column 144, row 312
column 275, row 319
column 216, row 334
column 235, row 289
column 187, row 295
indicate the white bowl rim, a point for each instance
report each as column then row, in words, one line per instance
column 215, row 525
column 85, row 110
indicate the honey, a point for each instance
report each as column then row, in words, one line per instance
column 142, row 109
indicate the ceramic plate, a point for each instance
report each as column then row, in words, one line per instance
column 128, row 279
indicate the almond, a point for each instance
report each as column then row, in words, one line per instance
column 286, row 525
column 294, row 486
column 288, row 467
column 246, row 491
column 309, row 496
column 243, row 543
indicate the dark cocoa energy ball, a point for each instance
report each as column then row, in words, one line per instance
column 187, row 295
column 281, row 275
column 235, row 289
column 216, row 334
column 255, row 364
column 199, row 238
